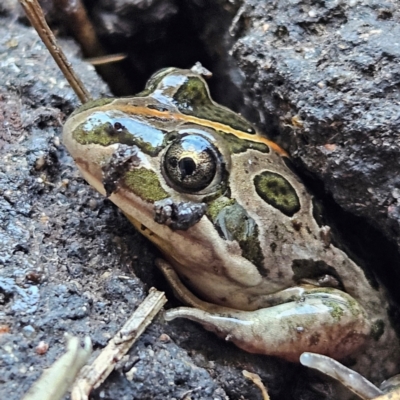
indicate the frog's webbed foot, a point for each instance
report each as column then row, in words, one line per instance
column 324, row 320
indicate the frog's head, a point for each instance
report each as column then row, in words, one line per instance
column 165, row 155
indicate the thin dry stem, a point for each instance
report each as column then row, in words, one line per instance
column 92, row 376
column 111, row 58
column 79, row 24
column 35, row 15
column 255, row 378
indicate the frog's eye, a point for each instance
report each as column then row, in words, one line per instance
column 191, row 163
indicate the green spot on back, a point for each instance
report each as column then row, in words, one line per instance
column 145, row 184
column 278, row 192
column 233, row 223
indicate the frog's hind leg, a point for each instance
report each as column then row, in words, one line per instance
column 323, row 320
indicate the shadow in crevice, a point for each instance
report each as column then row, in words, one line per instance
column 365, row 244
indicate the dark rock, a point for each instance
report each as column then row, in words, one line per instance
column 324, row 79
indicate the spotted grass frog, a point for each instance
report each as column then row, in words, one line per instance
column 237, row 228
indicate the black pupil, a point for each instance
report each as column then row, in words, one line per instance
column 187, row 166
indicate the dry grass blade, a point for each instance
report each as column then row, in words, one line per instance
column 35, row 15
column 111, row 58
column 92, row 376
column 77, row 20
column 255, row 378
column 56, row 380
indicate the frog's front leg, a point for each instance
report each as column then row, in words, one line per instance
column 323, row 320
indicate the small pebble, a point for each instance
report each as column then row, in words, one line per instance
column 28, row 331
column 42, row 348
column 40, row 163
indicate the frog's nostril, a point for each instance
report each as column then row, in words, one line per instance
column 118, row 126
column 173, row 162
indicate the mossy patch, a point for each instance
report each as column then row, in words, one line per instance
column 101, row 129
column 215, row 206
column 97, row 134
column 144, row 183
column 336, row 311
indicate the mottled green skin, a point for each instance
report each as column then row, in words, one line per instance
column 190, row 97
column 336, row 310
column 100, row 134
column 278, row 192
column 193, row 98
column 237, row 145
column 217, row 205
column 105, row 134
column 145, row 184
column 233, row 223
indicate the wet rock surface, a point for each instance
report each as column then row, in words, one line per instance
column 325, row 78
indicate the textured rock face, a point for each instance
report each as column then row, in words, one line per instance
column 325, row 77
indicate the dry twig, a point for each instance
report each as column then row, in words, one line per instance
column 35, row 15
column 92, row 376
column 255, row 378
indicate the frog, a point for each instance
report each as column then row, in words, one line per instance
column 243, row 244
